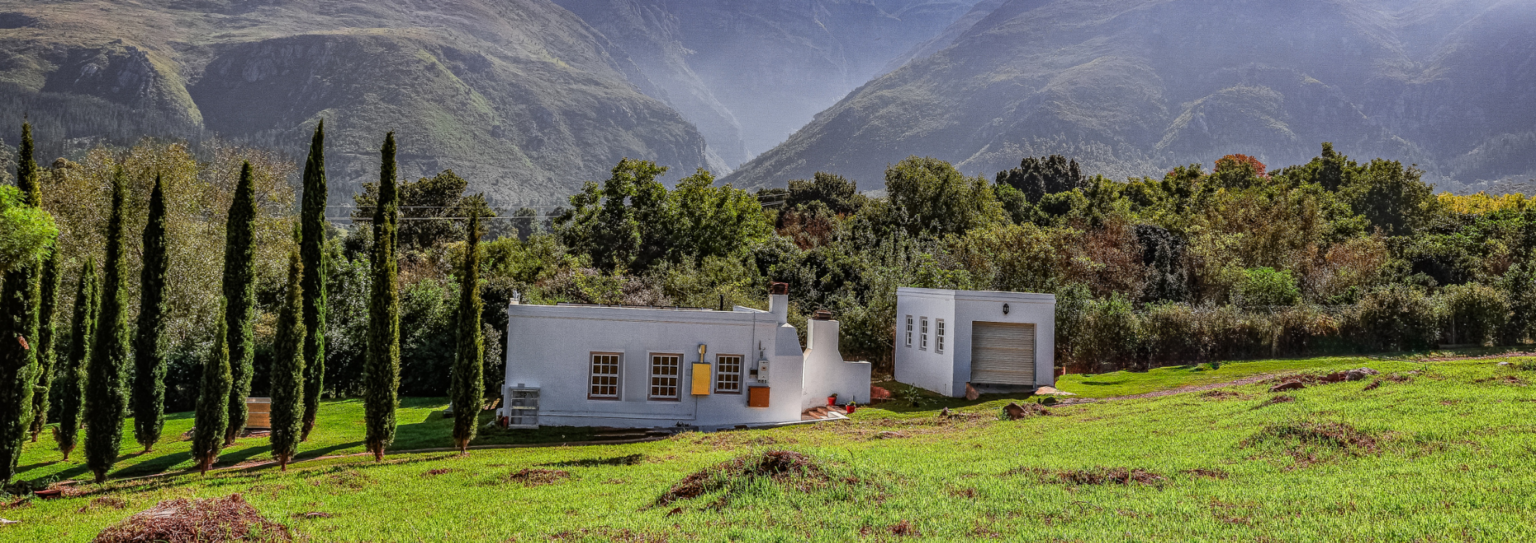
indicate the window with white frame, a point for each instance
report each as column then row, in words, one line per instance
column 665, row 369
column 909, row 330
column 938, row 333
column 728, row 374
column 604, row 381
column 923, row 336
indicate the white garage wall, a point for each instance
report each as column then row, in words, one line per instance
column 948, row 372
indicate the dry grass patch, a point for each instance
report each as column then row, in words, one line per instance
column 536, row 477
column 1093, row 476
column 197, row 521
column 788, row 468
column 1309, row 443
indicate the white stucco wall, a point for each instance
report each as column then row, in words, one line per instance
column 947, row 373
column 826, row 373
column 926, row 368
column 549, row 347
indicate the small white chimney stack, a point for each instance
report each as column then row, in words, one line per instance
column 778, row 302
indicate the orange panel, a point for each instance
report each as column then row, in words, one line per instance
column 757, row 396
column 701, row 376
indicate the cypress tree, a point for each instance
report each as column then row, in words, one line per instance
column 19, row 299
column 468, row 385
column 312, row 250
column 148, row 359
column 212, row 413
column 46, row 332
column 382, row 364
column 288, row 368
column 240, row 294
column 72, row 374
column 106, row 397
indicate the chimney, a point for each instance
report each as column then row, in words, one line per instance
column 821, row 337
column 778, row 301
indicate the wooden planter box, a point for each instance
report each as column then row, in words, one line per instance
column 259, row 413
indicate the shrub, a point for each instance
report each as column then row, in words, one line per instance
column 1111, row 332
column 1394, row 318
column 1473, row 313
column 1519, row 288
column 1267, row 287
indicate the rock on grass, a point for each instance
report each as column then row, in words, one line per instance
column 197, row 521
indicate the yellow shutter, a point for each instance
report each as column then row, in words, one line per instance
column 701, row 375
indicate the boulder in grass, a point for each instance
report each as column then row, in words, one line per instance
column 197, row 521
column 1360, row 374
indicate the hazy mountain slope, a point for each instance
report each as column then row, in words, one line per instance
column 518, row 96
column 651, row 36
column 1132, row 87
column 762, row 68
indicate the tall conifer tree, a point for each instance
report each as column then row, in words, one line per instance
column 149, row 360
column 382, row 365
column 212, row 413
column 18, row 328
column 288, row 368
column 240, row 294
column 106, row 395
column 46, row 338
column 468, row 386
column 72, row 374
column 312, row 249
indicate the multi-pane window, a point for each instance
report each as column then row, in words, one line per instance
column 909, row 330
column 728, row 374
column 923, row 337
column 938, row 336
column 604, row 383
column 664, row 376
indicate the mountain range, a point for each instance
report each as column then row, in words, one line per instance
column 1134, row 87
column 527, row 99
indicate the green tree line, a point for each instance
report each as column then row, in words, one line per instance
column 1236, row 261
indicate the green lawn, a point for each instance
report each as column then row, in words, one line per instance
column 1441, row 454
column 1126, row 383
column 338, row 431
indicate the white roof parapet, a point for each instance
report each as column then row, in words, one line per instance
column 987, row 295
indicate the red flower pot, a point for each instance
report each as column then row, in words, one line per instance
column 831, row 401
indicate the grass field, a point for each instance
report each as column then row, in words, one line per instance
column 1436, row 451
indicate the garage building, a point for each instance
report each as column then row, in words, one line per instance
column 996, row 341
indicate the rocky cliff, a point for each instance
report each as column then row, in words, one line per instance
column 519, row 96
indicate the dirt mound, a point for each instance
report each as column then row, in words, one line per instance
column 197, row 521
column 1221, row 395
column 1312, row 442
column 1015, row 411
column 628, row 460
column 1208, row 473
column 900, row 529
column 1093, row 476
column 1277, row 399
column 784, row 467
column 537, row 477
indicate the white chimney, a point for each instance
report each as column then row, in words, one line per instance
column 778, row 302
column 821, row 337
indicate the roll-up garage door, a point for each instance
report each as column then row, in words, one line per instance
column 1002, row 354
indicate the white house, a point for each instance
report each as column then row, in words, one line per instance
column 996, row 341
column 641, row 367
